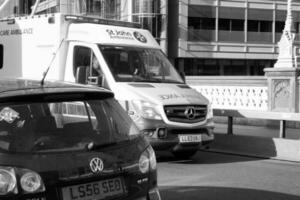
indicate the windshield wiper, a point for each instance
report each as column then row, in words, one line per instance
column 171, row 81
column 153, row 80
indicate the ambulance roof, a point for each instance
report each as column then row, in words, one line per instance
column 111, row 35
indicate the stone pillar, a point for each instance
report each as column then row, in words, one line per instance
column 283, row 89
column 283, row 79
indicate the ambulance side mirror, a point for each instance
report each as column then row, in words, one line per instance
column 96, row 80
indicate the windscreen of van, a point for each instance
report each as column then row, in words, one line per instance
column 132, row 64
column 63, row 125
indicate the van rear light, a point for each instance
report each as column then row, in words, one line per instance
column 147, row 160
column 8, row 182
column 31, row 182
column 10, row 178
column 152, row 158
column 144, row 163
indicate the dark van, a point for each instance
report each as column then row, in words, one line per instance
column 61, row 141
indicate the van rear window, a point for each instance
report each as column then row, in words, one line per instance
column 63, row 125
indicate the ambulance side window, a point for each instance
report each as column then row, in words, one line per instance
column 81, row 63
column 1, row 56
column 86, row 67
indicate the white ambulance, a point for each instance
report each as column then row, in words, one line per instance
column 118, row 56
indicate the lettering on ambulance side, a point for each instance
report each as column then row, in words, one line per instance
column 16, row 32
column 176, row 96
column 119, row 34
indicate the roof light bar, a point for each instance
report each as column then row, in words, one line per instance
column 83, row 19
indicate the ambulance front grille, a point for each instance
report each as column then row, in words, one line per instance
column 186, row 113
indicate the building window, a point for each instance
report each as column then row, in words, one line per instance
column 253, row 26
column 231, row 30
column 260, row 31
column 148, row 13
column 194, row 22
column 231, row 19
column 259, row 26
column 201, row 23
column 25, row 6
column 95, row 7
column 113, row 9
column 1, row 56
column 296, row 20
column 279, row 26
column 201, row 11
column 207, row 23
column 201, row 17
column 231, row 25
column 224, row 24
column 237, row 25
column 235, row 68
column 224, row 67
column 265, row 26
column 201, row 29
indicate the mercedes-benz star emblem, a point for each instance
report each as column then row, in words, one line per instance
column 96, row 165
column 190, row 113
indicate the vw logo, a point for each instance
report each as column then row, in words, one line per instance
column 140, row 37
column 190, row 112
column 96, row 165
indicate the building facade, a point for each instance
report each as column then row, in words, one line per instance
column 110, row 9
column 227, row 37
column 201, row 37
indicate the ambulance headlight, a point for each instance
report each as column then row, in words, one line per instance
column 146, row 109
column 209, row 111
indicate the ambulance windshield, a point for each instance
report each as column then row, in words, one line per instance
column 132, row 64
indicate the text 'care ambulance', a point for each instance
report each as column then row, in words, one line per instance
column 118, row 56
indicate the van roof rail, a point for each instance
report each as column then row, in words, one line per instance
column 95, row 20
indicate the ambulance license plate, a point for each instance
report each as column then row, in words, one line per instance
column 189, row 138
column 94, row 190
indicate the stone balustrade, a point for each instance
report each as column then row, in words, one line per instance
column 247, row 93
column 250, row 97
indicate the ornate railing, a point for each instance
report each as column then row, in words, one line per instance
column 241, row 97
column 249, row 93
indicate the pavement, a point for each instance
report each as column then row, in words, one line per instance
column 257, row 141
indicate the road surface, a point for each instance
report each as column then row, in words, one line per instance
column 215, row 176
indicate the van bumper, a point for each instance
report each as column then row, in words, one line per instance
column 167, row 138
column 173, row 144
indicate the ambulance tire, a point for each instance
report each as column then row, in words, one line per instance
column 184, row 154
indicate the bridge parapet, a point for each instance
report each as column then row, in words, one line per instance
column 227, row 92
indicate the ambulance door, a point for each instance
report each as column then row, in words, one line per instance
column 85, row 65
